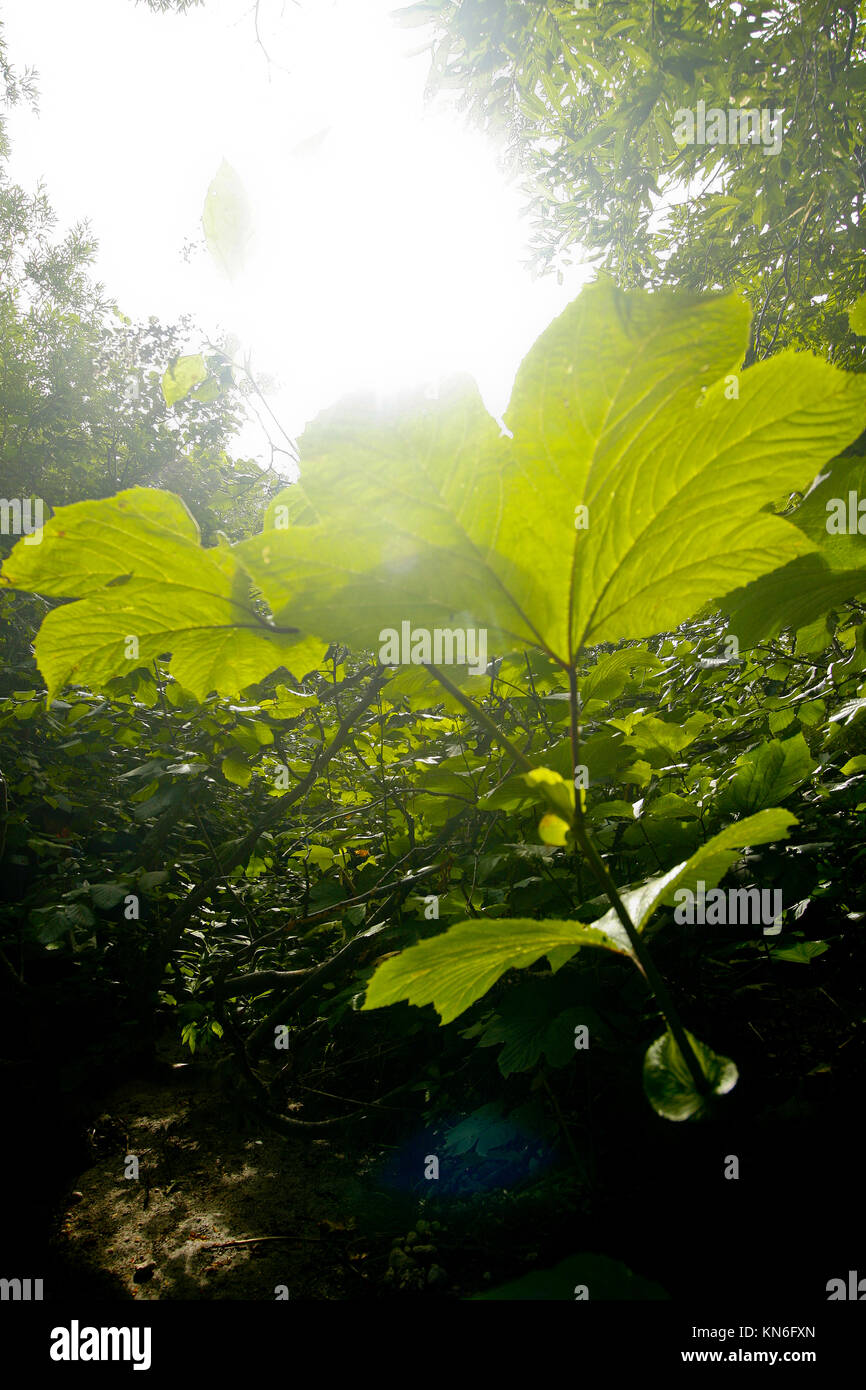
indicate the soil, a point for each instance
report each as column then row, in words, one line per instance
column 223, row 1208
column 217, row 1210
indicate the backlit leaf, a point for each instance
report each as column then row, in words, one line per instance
column 146, row 588
column 423, row 513
column 454, row 969
column 183, row 374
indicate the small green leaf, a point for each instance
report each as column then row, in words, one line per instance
column 485, row 1131
column 553, row 830
column 235, row 770
column 152, row 879
column 290, row 703
column 107, row 895
column 659, row 741
column 638, row 774
column 857, row 317
column 607, row 679
column 183, row 374
column 320, row 855
column 208, row 391
column 50, row 923
column 552, row 788
column 669, row 1085
column 779, row 719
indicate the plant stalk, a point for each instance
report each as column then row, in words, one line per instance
column 640, row 951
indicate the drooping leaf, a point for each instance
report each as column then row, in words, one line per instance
column 553, row 830
column 548, row 785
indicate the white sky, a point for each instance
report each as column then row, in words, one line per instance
column 385, row 256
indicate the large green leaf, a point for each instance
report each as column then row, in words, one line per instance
column 830, row 514
column 402, row 509
column 708, row 865
column 454, row 969
column 768, row 774
column 791, row 597
column 423, row 513
column 810, row 586
column 137, row 569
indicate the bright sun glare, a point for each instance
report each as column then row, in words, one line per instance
column 388, row 244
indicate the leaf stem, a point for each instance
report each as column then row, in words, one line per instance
column 599, row 868
column 667, row 1008
column 641, row 954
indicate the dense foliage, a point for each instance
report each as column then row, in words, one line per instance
column 587, row 97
